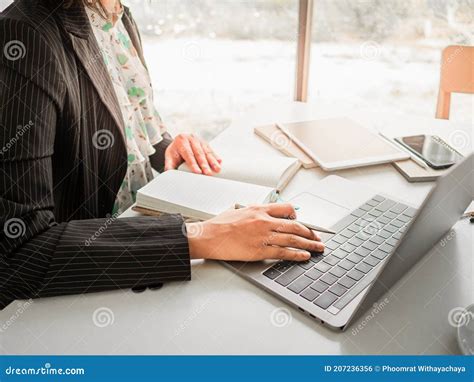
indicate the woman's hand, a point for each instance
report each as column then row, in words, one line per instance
column 197, row 154
column 252, row 234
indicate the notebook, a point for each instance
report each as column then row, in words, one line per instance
column 340, row 143
column 244, row 181
column 279, row 140
column 414, row 173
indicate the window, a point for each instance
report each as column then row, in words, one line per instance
column 386, row 54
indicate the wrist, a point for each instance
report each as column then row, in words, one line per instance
column 195, row 240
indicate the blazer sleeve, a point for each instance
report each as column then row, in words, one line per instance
column 38, row 256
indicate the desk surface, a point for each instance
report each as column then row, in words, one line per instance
column 220, row 313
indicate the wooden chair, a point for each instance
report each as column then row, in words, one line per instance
column 457, row 76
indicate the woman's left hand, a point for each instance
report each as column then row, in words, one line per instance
column 197, row 154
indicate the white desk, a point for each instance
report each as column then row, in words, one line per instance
column 220, row 313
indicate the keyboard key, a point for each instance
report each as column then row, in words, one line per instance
column 319, row 286
column 339, row 239
column 383, row 220
column 325, row 300
column 314, row 274
column 372, row 203
column 323, row 267
column 386, row 248
column 306, row 265
column 299, row 284
column 348, row 247
column 392, row 241
column 373, row 261
column 397, row 223
column 346, row 282
column 390, row 215
column 339, row 253
column 362, row 251
column 332, row 260
column 404, row 218
column 397, row 235
column 378, row 198
column 398, row 208
column 410, row 212
column 385, row 205
column 328, row 279
column 316, row 257
column 291, row 274
column 358, row 212
column 379, row 254
column 355, row 241
column 354, row 228
column 272, row 273
column 363, row 267
column 283, row 266
column 365, row 207
column 355, row 274
column 332, row 245
column 369, row 245
column 338, row 290
column 354, row 258
column 390, row 228
column 375, row 213
column 337, row 271
column 347, row 233
column 309, row 294
column 385, row 234
column 377, row 239
column 346, row 264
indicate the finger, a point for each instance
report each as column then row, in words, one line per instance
column 280, row 253
column 212, row 158
column 200, row 156
column 297, row 242
column 172, row 159
column 280, row 210
column 187, row 153
column 293, row 227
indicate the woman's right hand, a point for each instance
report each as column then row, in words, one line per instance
column 252, row 234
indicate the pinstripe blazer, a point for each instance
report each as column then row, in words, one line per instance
column 62, row 160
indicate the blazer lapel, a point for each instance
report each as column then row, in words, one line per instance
column 83, row 42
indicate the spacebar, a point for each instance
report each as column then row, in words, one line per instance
column 349, row 296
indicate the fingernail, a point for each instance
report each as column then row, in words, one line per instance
column 305, row 255
column 197, row 170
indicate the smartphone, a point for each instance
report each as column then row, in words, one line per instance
column 432, row 149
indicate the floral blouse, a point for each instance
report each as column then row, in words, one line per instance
column 132, row 85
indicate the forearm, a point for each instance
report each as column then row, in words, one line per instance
column 95, row 255
column 157, row 160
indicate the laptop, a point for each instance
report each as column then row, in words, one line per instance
column 378, row 240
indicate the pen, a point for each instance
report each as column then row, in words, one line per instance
column 307, row 225
column 413, row 157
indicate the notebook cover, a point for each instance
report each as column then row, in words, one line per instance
column 414, row 173
column 284, row 144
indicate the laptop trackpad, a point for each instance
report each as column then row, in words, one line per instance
column 316, row 210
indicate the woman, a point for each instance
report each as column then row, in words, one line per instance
column 80, row 136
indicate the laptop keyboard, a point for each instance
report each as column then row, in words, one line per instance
column 364, row 239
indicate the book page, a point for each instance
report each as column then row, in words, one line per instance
column 265, row 171
column 198, row 196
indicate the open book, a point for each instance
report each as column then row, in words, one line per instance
column 243, row 181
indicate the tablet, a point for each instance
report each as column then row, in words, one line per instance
column 340, row 143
